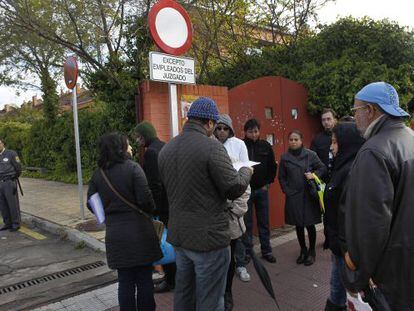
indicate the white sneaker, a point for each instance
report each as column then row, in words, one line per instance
column 157, row 276
column 243, row 274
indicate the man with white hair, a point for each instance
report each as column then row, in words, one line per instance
column 378, row 206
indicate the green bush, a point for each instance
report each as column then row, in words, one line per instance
column 16, row 137
column 52, row 146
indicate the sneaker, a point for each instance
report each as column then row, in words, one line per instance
column 243, row 275
column 158, row 277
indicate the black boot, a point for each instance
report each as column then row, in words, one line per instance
column 228, row 301
column 311, row 258
column 302, row 257
column 332, row 307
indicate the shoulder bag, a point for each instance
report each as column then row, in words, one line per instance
column 158, row 225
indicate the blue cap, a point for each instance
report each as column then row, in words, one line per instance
column 204, row 108
column 384, row 95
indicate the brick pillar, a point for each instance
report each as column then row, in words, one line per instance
column 155, row 102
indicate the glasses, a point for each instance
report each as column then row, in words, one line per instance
column 222, row 128
column 354, row 109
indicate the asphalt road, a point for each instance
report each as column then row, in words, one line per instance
column 37, row 268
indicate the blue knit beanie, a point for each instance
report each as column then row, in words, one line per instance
column 204, row 108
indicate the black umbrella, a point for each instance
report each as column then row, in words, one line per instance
column 264, row 277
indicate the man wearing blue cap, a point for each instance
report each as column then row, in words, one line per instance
column 199, row 179
column 379, row 213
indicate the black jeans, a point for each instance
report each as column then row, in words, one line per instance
column 136, row 289
column 260, row 200
column 232, row 267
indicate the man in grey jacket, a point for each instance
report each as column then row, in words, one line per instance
column 199, row 178
column 378, row 205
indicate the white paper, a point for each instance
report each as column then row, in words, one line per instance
column 95, row 203
column 357, row 303
column 239, row 164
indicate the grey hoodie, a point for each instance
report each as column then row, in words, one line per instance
column 226, row 120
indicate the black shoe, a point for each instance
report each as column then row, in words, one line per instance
column 326, row 244
column 302, row 257
column 14, row 228
column 311, row 258
column 162, row 287
column 5, row 227
column 332, row 307
column 269, row 258
column 228, row 302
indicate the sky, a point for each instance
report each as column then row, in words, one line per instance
column 396, row 10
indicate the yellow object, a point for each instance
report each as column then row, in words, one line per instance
column 30, row 233
column 321, row 190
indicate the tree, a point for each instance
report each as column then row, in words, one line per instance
column 230, row 31
column 351, row 53
column 24, row 57
column 94, row 31
column 288, row 20
column 336, row 62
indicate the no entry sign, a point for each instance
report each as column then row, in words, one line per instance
column 170, row 27
column 70, row 70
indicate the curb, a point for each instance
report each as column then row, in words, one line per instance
column 73, row 235
column 77, row 236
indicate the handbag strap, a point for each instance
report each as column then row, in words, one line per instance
column 123, row 199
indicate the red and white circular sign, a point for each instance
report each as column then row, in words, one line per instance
column 170, row 27
column 70, row 72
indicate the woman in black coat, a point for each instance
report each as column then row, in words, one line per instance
column 131, row 241
column 301, row 208
column 346, row 142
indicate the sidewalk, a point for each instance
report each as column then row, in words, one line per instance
column 57, row 203
column 296, row 287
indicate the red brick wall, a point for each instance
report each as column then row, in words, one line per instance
column 155, row 103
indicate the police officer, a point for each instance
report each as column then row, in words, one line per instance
column 10, row 169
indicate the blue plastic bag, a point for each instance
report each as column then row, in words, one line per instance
column 167, row 250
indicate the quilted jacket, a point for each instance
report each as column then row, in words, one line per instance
column 199, row 178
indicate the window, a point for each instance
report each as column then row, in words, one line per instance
column 294, row 113
column 269, row 113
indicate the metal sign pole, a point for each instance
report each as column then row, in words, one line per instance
column 172, row 90
column 78, row 157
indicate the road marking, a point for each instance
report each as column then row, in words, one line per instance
column 29, row 232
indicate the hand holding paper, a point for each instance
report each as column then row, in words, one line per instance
column 239, row 164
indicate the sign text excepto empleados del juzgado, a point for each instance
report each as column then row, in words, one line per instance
column 168, row 68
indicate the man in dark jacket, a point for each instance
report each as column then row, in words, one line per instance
column 10, row 170
column 199, row 178
column 379, row 214
column 146, row 137
column 264, row 174
column 321, row 143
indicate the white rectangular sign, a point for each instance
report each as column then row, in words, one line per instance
column 173, row 69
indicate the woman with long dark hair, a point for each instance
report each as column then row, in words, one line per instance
column 131, row 242
column 301, row 209
column 346, row 142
